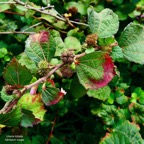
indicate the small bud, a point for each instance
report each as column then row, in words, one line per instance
column 33, row 90
column 73, row 10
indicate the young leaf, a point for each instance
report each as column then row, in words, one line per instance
column 12, row 118
column 104, row 24
column 5, row 96
column 109, row 114
column 34, row 104
column 95, row 70
column 101, row 93
column 132, row 43
column 51, row 95
column 16, row 74
column 40, row 46
column 126, row 133
column 137, row 113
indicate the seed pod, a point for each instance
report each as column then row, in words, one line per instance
column 43, row 71
column 66, row 71
column 67, row 57
column 91, row 40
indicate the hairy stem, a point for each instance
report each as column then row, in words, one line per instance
column 43, row 79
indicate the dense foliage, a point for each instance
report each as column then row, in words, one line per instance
column 71, row 72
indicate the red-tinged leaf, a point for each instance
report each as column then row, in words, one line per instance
column 51, row 95
column 40, row 46
column 95, row 70
column 109, row 73
column 16, row 74
column 34, row 104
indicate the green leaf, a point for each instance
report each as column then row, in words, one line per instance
column 5, row 96
column 77, row 90
column 109, row 114
column 81, row 7
column 95, row 70
column 12, row 118
column 60, row 47
column 101, row 93
column 104, row 24
column 34, row 104
column 137, row 112
column 126, row 133
column 106, row 41
column 16, row 74
column 24, row 60
column 139, row 95
column 72, row 43
column 3, row 52
column 117, row 53
column 132, row 43
column 40, row 46
column 27, row 118
column 4, row 7
column 51, row 95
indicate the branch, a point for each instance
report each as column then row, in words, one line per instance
column 17, row 32
column 43, row 79
column 32, row 26
column 5, row 107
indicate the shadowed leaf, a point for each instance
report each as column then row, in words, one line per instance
column 12, row 118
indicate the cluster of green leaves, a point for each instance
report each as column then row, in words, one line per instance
column 104, row 100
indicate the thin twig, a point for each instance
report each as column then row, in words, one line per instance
column 32, row 26
column 10, row 106
column 17, row 32
column 47, row 13
column 52, row 129
column 80, row 55
column 7, row 2
column 5, row 107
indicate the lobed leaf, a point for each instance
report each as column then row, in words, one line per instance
column 16, row 74
column 126, row 133
column 40, row 46
column 137, row 112
column 104, row 24
column 95, row 70
column 132, row 43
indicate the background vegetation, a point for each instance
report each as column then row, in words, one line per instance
column 113, row 113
